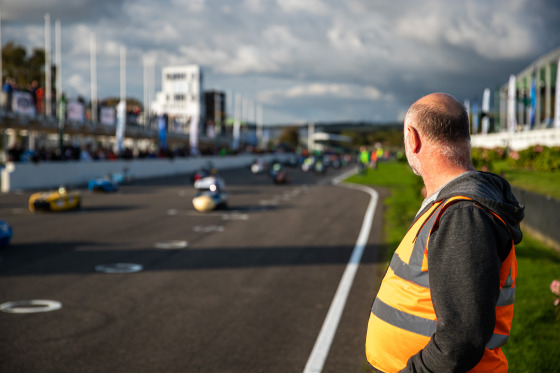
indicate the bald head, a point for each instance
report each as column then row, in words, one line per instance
column 440, row 118
column 443, row 123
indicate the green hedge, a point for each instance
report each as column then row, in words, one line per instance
column 537, row 158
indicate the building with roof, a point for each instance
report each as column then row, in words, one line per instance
column 181, row 97
column 527, row 108
column 535, row 92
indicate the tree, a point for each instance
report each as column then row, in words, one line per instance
column 23, row 68
column 290, row 136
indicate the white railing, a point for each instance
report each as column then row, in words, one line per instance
column 518, row 140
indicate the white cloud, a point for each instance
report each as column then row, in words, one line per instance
column 493, row 33
column 342, row 91
column 308, row 6
column 78, row 83
column 359, row 50
column 247, row 59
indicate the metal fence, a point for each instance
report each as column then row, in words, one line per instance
column 542, row 216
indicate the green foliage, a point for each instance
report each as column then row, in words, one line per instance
column 540, row 158
column 484, row 158
column 290, row 136
column 23, row 68
column 533, row 169
column 537, row 157
column 387, row 136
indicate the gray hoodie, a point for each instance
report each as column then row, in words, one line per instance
column 465, row 253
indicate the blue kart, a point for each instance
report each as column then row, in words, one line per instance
column 5, row 234
column 106, row 184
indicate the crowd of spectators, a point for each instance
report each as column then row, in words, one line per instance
column 74, row 152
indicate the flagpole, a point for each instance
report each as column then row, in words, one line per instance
column 48, row 89
column 93, row 76
column 259, row 125
column 58, row 59
column 145, row 80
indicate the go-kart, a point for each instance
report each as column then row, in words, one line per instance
column 259, row 166
column 314, row 164
column 54, row 201
column 278, row 174
column 210, row 194
column 5, row 234
column 106, row 184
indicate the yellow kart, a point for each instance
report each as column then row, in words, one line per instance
column 59, row 200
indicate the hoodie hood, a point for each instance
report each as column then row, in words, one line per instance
column 492, row 191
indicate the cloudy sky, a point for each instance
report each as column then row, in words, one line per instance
column 303, row 60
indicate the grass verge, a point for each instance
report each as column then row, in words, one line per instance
column 533, row 345
column 541, row 182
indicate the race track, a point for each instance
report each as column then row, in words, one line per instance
column 241, row 290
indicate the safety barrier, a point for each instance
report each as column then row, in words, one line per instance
column 29, row 176
column 518, row 140
column 541, row 216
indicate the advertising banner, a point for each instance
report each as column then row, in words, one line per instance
column 22, row 103
column 107, row 115
column 75, row 111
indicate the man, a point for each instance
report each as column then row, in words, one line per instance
column 446, row 302
column 364, row 160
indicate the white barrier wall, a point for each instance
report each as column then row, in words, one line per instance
column 43, row 175
column 518, row 140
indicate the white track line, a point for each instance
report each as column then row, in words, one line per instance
column 324, row 340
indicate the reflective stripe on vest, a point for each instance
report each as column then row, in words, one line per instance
column 412, row 272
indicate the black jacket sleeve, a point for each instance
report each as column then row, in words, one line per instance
column 464, row 270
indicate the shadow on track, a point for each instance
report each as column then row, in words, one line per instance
column 67, row 257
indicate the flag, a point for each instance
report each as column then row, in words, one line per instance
column 533, row 108
column 162, row 131
column 121, row 124
column 512, row 122
column 193, row 135
column 486, row 111
column 475, row 118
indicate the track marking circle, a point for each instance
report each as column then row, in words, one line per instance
column 235, row 217
column 213, row 228
column 268, row 202
column 172, row 212
column 119, row 268
column 30, row 306
column 172, row 244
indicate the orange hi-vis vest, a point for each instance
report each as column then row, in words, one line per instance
column 402, row 319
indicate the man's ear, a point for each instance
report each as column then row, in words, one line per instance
column 414, row 141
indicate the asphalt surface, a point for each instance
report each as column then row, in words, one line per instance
column 248, row 293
